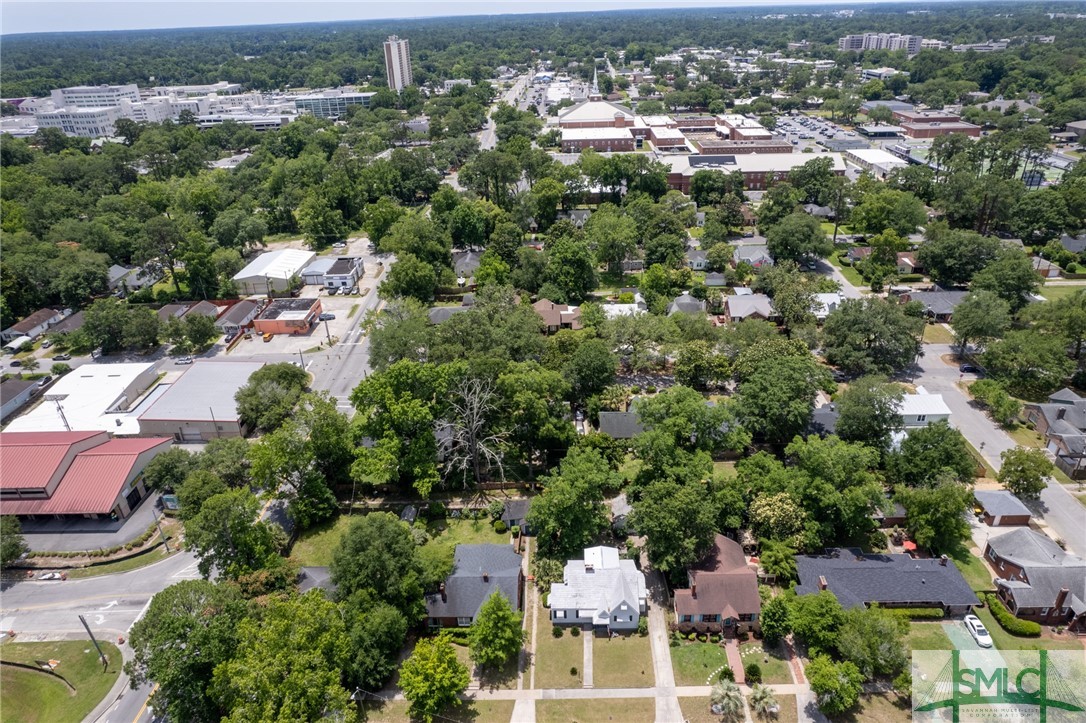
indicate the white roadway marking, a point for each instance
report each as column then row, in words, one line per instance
column 110, row 604
column 189, row 572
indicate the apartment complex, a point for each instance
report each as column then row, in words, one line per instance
column 881, row 41
column 398, row 63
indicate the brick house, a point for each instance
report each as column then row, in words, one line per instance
column 723, row 593
column 1038, row 580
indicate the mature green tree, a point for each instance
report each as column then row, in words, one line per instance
column 197, row 488
column 776, row 517
column 377, row 557
column 954, row 257
column 836, row 685
column 709, row 188
column 776, row 620
column 929, row 453
column 379, row 217
column 757, row 352
column 570, row 514
column 228, row 459
column 779, row 559
column 591, row 368
column 981, row 317
column 815, row 181
column 400, row 331
column 105, row 322
column 288, row 663
column 936, row 516
column 888, row 208
column 684, row 416
column 270, row 395
column 776, row 401
column 698, row 365
column 1064, row 317
column 1029, row 363
column 872, row 640
column 1025, row 472
column 677, row 525
column 778, row 202
column 12, row 544
column 377, row 632
column 496, row 636
column 168, row 470
column 1011, row 277
column 868, row 411
column 871, row 336
column 570, row 268
column 410, row 277
column 798, row 237
column 320, row 221
column 432, row 678
column 532, row 407
column 188, row 629
column 200, row 330
column 467, row 225
column 817, row 619
column 228, row 537
column 141, row 327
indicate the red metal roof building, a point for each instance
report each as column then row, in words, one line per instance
column 73, row 473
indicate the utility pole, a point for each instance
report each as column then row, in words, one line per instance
column 301, row 359
column 165, row 540
column 328, row 333
column 101, row 655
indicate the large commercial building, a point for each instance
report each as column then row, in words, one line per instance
column 221, row 88
column 200, row 405
column 596, row 113
column 73, row 474
column 398, row 63
column 759, row 169
column 875, row 160
column 331, row 103
column 273, row 271
column 94, row 96
column 81, row 121
column 575, row 140
column 881, row 41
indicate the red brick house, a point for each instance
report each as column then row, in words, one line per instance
column 723, row 594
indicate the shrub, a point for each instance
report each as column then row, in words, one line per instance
column 435, row 511
column 692, row 637
column 726, row 673
column 635, row 390
column 515, row 529
column 495, row 509
column 650, row 390
column 575, row 631
column 546, row 598
column 573, row 668
column 753, row 672
column 917, row 613
column 557, row 630
column 643, row 626
column 1013, row 625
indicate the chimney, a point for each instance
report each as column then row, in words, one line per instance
column 1061, row 412
column 589, row 568
column 1061, row 597
column 942, row 560
column 441, row 589
column 486, row 576
column 694, row 590
column 822, row 584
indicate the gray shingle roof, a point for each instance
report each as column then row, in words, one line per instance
column 859, row 579
column 1000, row 503
column 939, row 302
column 684, row 303
column 1074, row 244
column 1047, row 569
column 1024, row 548
column 515, row 511
column 465, row 263
column 465, row 588
column 715, row 279
column 824, row 420
column 621, row 425
column 441, row 314
column 741, row 307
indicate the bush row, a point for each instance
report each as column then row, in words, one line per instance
column 104, row 551
column 1013, row 625
column 918, row 613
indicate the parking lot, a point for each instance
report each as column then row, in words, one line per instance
column 807, row 131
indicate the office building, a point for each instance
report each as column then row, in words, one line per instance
column 221, row 88
column 80, row 121
column 398, row 63
column 331, row 103
column 94, row 96
column 881, row 41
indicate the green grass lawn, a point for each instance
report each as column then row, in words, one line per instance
column 827, row 228
column 27, row 696
column 775, row 669
column 132, row 563
column 695, row 662
column 624, row 661
column 555, row 656
column 848, row 272
column 476, row 711
column 725, row 468
column 1005, row 641
column 459, row 532
column 937, row 334
column 989, row 471
column 316, row 545
column 1053, row 293
column 627, row 710
column 973, row 569
column 927, row 636
column 879, row 708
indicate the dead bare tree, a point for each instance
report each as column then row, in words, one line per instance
column 470, row 443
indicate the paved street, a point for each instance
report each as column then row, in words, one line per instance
column 487, row 138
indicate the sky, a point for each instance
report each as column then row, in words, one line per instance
column 34, row 16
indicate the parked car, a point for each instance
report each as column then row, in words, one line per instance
column 969, row 369
column 16, row 362
column 46, row 344
column 327, row 317
column 62, row 357
column 45, row 381
column 183, row 360
column 978, row 631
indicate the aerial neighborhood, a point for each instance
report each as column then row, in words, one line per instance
column 499, row 369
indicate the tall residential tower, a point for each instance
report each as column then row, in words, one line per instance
column 398, row 63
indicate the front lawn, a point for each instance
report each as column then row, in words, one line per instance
column 1023, row 436
column 773, row 663
column 927, row 636
column 694, row 663
column 849, row 272
column 27, row 696
column 624, row 661
column 879, row 708
column 627, row 710
column 973, row 569
column 937, row 334
column 315, row 546
column 555, row 657
column 1005, row 641
column 1054, row 293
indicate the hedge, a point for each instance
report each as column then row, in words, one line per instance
column 917, row 613
column 1013, row 625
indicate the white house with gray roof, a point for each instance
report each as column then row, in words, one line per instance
column 601, row 590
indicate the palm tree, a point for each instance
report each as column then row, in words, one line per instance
column 727, row 700
column 763, row 702
column 615, row 398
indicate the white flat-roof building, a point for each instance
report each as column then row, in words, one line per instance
column 331, row 103
column 200, row 405
column 272, row 271
column 90, row 397
column 875, row 160
column 221, row 88
column 94, row 96
column 85, row 122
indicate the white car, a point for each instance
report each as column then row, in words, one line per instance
column 978, row 631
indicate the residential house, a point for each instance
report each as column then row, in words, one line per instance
column 601, row 590
column 907, row 263
column 202, row 308
column 856, row 254
column 939, row 304
column 579, row 216
column 515, row 513
column 890, row 514
column 465, row 263
column 620, row 425
column 723, row 593
column 170, row 311
column 1045, row 268
column 68, row 325
column 824, row 420
column 755, row 255
column 1062, row 422
column 684, row 303
column 749, row 306
column 890, row 580
column 14, row 394
column 923, row 408
column 315, row 577
column 479, row 571
column 557, row 316
column 1038, row 580
column 825, row 304
column 1000, row 508
column 32, row 326
column 817, row 211
column 714, row 279
column 441, row 314
column 1074, row 244
column 116, row 274
column 696, row 260
column 612, row 311
column 237, row 317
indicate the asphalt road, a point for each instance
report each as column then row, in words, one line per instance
column 487, row 138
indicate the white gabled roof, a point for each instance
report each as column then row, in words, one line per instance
column 923, row 403
column 594, row 110
column 281, row 264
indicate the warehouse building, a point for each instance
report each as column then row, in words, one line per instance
column 272, row 272
column 200, row 405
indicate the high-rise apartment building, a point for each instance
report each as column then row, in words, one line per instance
column 881, row 41
column 398, row 63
